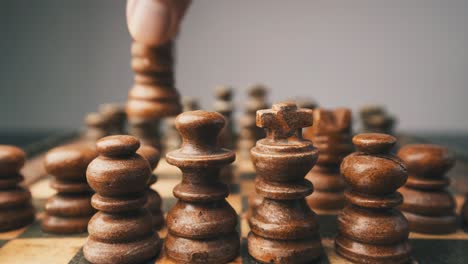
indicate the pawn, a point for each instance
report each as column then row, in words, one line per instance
column 122, row 231
column 154, row 202
column 69, row 210
column 223, row 105
column 115, row 116
column 96, row 126
column 283, row 227
column 16, row 209
column 370, row 228
column 427, row 205
column 331, row 134
column 202, row 224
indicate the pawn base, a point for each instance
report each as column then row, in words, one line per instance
column 373, row 254
column 65, row 225
column 284, row 251
column 432, row 224
column 121, row 253
column 207, row 251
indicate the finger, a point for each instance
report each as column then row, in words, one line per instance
column 149, row 21
column 179, row 8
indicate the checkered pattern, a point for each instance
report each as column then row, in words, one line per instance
column 31, row 245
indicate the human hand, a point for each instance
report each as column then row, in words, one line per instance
column 155, row 22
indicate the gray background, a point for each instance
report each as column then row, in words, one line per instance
column 60, row 59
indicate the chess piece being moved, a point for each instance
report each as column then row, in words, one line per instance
column 428, row 205
column 154, row 202
column 153, row 95
column 249, row 133
column 375, row 119
column 331, row 134
column 115, row 116
column 96, row 126
column 283, row 228
column 122, row 231
column 16, row 208
column 69, row 210
column 201, row 226
column 370, row 228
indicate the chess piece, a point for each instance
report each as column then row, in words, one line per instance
column 69, row 210
column 201, row 226
column 427, row 205
column 331, row 134
column 153, row 95
column 121, row 232
column 249, row 133
column 96, row 126
column 375, row 119
column 154, row 202
column 16, row 208
column 370, row 228
column 115, row 116
column 306, row 103
column 283, row 228
column 190, row 104
column 223, row 105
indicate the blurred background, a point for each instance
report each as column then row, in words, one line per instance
column 61, row 59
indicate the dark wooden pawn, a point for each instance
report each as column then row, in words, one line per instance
column 201, row 226
column 154, row 202
column 115, row 116
column 16, row 208
column 97, row 126
column 370, row 228
column 428, row 205
column 331, row 134
column 283, row 228
column 122, row 231
column 69, row 210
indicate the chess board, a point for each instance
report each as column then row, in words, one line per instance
column 31, row 245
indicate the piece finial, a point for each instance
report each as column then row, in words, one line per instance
column 284, row 120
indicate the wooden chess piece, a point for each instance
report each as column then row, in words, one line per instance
column 201, row 226
column 16, row 208
column 331, row 134
column 375, row 119
column 370, row 228
column 96, row 126
column 153, row 95
column 249, row 133
column 223, row 105
column 427, row 205
column 283, row 228
column 69, row 210
column 154, row 202
column 306, row 103
column 121, row 232
column 115, row 114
